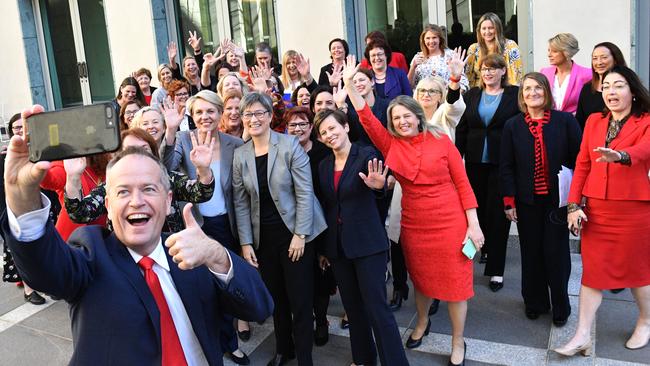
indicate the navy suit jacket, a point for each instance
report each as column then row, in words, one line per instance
column 562, row 138
column 397, row 83
column 362, row 232
column 115, row 320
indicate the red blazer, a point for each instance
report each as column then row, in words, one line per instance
column 579, row 76
column 397, row 60
column 613, row 181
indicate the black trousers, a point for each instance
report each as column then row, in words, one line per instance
column 218, row 227
column 484, row 178
column 291, row 285
column 398, row 267
column 324, row 287
column 363, row 292
column 545, row 257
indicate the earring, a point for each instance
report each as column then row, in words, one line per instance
column 634, row 99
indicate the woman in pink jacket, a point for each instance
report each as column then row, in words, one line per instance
column 565, row 77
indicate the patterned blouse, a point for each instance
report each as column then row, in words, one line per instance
column 185, row 189
column 437, row 66
column 512, row 56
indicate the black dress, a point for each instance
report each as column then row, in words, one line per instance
column 589, row 102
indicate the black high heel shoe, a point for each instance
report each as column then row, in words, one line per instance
column 398, row 296
column 415, row 343
column 464, row 354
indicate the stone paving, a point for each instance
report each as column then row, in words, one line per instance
column 497, row 331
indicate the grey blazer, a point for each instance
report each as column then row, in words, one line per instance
column 179, row 157
column 290, row 184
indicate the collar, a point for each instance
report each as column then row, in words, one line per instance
column 158, row 256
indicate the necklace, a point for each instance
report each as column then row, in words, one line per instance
column 95, row 182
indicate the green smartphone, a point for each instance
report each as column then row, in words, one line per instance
column 469, row 249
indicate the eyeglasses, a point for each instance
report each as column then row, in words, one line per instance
column 130, row 113
column 258, row 115
column 488, row 70
column 182, row 95
column 297, row 125
column 617, row 86
column 377, row 55
column 429, row 91
column 16, row 128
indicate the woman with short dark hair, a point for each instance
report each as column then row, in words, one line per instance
column 330, row 74
column 389, row 81
column 143, row 76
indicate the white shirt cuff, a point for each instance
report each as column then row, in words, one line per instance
column 30, row 226
column 225, row 277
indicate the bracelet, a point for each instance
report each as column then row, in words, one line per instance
column 451, row 78
column 572, row 207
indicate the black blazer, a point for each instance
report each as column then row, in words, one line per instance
column 362, row 232
column 562, row 137
column 471, row 132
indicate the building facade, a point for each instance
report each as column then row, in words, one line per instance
column 62, row 53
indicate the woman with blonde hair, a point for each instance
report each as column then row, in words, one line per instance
column 231, row 122
column 490, row 39
column 232, row 81
column 291, row 78
column 565, row 77
column 433, row 58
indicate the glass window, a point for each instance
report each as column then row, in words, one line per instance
column 200, row 16
column 462, row 16
column 251, row 22
column 400, row 20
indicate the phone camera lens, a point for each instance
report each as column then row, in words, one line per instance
column 109, row 112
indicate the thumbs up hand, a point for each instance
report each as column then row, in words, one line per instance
column 191, row 248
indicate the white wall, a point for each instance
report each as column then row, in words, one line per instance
column 308, row 27
column 591, row 22
column 15, row 94
column 131, row 38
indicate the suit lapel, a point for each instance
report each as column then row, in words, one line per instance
column 129, row 268
column 250, row 167
column 352, row 156
column 572, row 82
column 329, row 173
column 225, row 152
column 273, row 153
column 630, row 126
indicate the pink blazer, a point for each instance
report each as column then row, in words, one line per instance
column 579, row 76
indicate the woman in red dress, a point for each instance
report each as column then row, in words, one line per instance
column 611, row 174
column 438, row 208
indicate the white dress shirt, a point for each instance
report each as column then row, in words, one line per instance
column 559, row 90
column 31, row 226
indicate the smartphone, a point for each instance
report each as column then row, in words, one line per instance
column 576, row 230
column 73, row 132
column 469, row 249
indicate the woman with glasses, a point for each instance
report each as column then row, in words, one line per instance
column 565, row 76
column 389, row 81
column 178, row 93
column 432, row 60
column 490, row 40
column 478, row 137
column 277, row 218
column 299, row 123
column 127, row 112
column 611, row 177
column 535, row 145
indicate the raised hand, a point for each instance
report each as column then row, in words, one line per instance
column 172, row 52
column 340, row 95
column 194, row 41
column 376, row 177
column 209, row 60
column 457, row 63
column 74, row 167
column 350, row 69
column 262, row 72
column 21, row 176
column 336, row 74
column 201, row 154
column 191, row 248
column 418, row 59
column 303, row 66
column 173, row 117
column 220, row 54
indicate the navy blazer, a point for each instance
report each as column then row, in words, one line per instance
column 362, row 232
column 397, row 83
column 562, row 138
column 471, row 131
column 115, row 319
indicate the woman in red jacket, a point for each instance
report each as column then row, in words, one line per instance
column 55, row 180
column 613, row 179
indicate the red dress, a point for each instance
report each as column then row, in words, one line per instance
column 616, row 238
column 55, row 181
column 436, row 193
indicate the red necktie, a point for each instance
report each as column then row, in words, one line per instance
column 172, row 351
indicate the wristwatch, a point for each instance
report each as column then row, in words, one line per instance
column 301, row 236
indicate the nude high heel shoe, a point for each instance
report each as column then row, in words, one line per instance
column 585, row 350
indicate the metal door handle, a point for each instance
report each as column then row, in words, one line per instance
column 84, row 67
column 80, row 70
